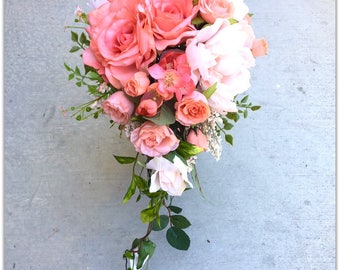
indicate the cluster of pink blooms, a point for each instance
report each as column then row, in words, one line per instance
column 150, row 51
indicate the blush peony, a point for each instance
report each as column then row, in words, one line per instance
column 222, row 53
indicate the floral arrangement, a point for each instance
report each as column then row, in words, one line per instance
column 169, row 74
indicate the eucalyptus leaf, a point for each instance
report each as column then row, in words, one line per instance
column 164, row 117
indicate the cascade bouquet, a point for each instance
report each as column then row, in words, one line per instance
column 168, row 74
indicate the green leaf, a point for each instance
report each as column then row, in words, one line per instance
column 245, row 99
column 128, row 254
column 74, row 49
column 210, row 91
column 148, row 215
column 147, row 248
column 187, row 150
column 71, row 76
column 129, row 193
column 227, row 125
column 163, row 222
column 165, row 117
column 124, row 160
column 141, row 183
column 229, row 139
column 77, row 71
column 175, row 209
column 178, row 238
column 197, row 183
column 82, row 38
column 232, row 21
column 180, row 221
column 67, row 67
column 245, row 113
column 255, row 108
column 93, row 76
column 74, row 36
column 198, row 20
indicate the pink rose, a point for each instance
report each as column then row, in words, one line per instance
column 222, row 53
column 118, row 107
column 210, row 10
column 171, row 21
column 260, row 47
column 122, row 42
column 168, row 176
column 197, row 138
column 192, row 109
column 154, row 140
column 137, row 85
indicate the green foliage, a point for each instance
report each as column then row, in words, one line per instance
column 165, row 116
column 180, row 221
column 175, row 209
column 210, row 91
column 187, row 150
column 163, row 222
column 124, row 160
column 177, row 238
column 229, row 139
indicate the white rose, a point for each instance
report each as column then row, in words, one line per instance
column 168, row 176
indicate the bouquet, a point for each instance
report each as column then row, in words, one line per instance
column 169, row 75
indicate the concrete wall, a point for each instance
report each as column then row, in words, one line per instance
column 271, row 196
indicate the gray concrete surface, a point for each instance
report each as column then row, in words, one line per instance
column 272, row 195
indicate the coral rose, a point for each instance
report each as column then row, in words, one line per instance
column 122, row 42
column 192, row 109
column 210, row 10
column 154, row 140
column 137, row 85
column 147, row 108
column 168, row 176
column 171, row 21
column 118, row 107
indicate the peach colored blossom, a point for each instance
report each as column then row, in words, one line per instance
column 147, row 107
column 173, row 74
column 260, row 47
column 192, row 109
column 168, row 176
column 171, row 21
column 210, row 10
column 221, row 53
column 122, row 41
column 154, row 140
column 118, row 107
column 137, row 85
column 197, row 138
